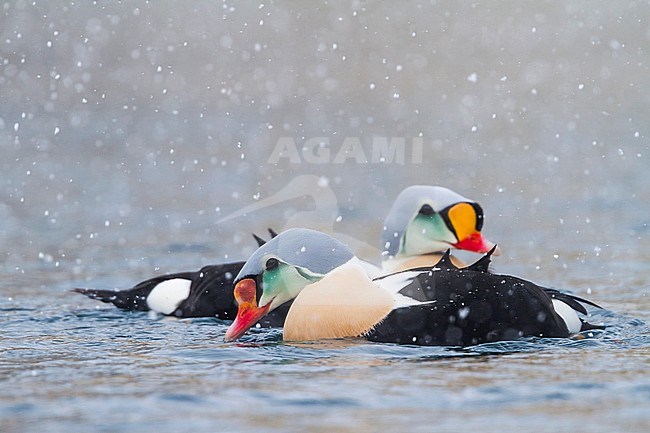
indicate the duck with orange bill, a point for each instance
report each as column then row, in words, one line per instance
column 334, row 297
column 206, row 292
column 425, row 221
column 422, row 223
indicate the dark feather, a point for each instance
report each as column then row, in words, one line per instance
column 134, row 298
column 482, row 264
column 259, row 240
column 125, row 301
column 466, row 307
column 445, row 261
column 211, row 295
column 210, row 292
column 570, row 299
column 586, row 326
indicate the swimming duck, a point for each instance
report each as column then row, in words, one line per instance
column 424, row 221
column 333, row 297
column 203, row 293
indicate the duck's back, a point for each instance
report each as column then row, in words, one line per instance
column 469, row 307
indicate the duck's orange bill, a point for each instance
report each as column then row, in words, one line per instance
column 477, row 243
column 248, row 313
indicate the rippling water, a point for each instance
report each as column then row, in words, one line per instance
column 82, row 368
column 130, row 132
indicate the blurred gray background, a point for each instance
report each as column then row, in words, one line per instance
column 129, row 130
column 140, row 138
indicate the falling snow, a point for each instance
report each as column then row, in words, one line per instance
column 126, row 129
column 136, row 140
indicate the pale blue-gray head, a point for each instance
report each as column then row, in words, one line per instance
column 277, row 271
column 427, row 219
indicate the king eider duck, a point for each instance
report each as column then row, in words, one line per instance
column 203, row 293
column 333, row 297
column 425, row 221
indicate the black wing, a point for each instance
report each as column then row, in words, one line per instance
column 465, row 307
column 211, row 295
column 134, row 298
column 571, row 300
column 210, row 292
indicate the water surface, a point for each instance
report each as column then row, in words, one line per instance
column 129, row 133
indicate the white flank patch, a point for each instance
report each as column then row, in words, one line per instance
column 569, row 316
column 396, row 282
column 166, row 296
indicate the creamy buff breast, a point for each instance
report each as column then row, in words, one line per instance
column 345, row 303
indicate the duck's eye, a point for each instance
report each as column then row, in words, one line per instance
column 426, row 210
column 271, row 264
